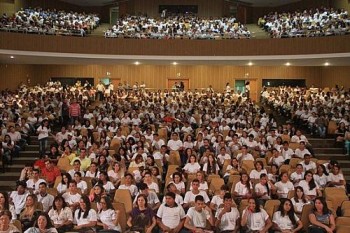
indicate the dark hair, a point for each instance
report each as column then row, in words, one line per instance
column 296, row 196
column 290, row 213
column 227, row 196
column 312, row 183
column 143, row 186
column 170, row 194
column 323, row 169
column 144, row 197
column 325, row 209
column 68, row 177
column 43, row 183
column 248, row 181
column 259, row 162
column 267, row 184
column 7, row 203
column 199, row 198
column 108, row 203
column 257, row 206
column 86, row 200
column 48, row 220
column 57, row 198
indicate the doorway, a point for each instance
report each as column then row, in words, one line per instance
column 113, row 15
column 240, row 86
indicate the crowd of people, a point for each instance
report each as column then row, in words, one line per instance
column 174, row 27
column 307, row 23
column 165, row 148
column 49, row 22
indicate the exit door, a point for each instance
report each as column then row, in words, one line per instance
column 240, row 86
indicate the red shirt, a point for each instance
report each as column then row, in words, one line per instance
column 74, row 110
column 51, row 174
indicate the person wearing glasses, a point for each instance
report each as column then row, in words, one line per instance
column 5, row 226
column 107, row 217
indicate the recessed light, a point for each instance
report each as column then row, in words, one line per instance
column 137, row 63
column 174, row 63
column 326, row 64
column 287, row 64
column 250, row 63
column 12, row 57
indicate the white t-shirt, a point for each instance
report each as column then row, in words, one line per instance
column 284, row 188
column 64, row 215
column 242, row 189
column 336, row 178
column 132, row 188
column 284, row 222
column 92, row 216
column 198, row 219
column 192, row 168
column 311, row 166
column 19, row 200
column 254, row 174
column 70, row 198
column 321, row 181
column 175, row 145
column 179, row 186
column 107, row 217
column 298, row 206
column 248, row 156
column 295, row 176
column 190, row 196
column 178, row 199
column 171, row 217
column 306, row 188
column 228, row 220
column 34, row 185
column 256, row 221
column 217, row 200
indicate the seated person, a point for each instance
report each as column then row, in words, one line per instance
column 227, row 217
column 190, row 196
column 285, row 219
column 254, row 218
column 197, row 216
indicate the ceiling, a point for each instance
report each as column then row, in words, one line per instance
column 269, row 3
column 29, row 57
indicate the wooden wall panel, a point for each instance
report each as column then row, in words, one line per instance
column 206, row 8
column 336, row 75
column 7, row 7
column 339, row 4
column 100, row 45
column 12, row 75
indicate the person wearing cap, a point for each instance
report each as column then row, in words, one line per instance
column 152, row 198
column 170, row 215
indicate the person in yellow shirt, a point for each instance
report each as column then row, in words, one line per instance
column 84, row 161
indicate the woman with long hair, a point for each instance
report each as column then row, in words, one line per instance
column 211, row 167
column 244, row 188
column 309, row 185
column 179, row 184
column 142, row 217
column 254, row 218
column 42, row 225
column 285, row 220
column 321, row 176
column 259, row 169
column 61, row 215
column 299, row 200
column 5, row 204
column 116, row 174
column 30, row 212
column 192, row 166
column 107, row 217
column 106, row 183
column 321, row 218
column 284, row 186
column 85, row 218
column 264, row 188
column 63, row 185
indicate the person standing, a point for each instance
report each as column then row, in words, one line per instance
column 74, row 111
column 43, row 131
column 100, row 89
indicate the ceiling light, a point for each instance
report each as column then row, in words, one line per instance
column 250, row 63
column 326, row 64
column 287, row 64
column 12, row 57
column 137, row 63
column 174, row 63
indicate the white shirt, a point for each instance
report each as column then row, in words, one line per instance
column 19, row 200
column 284, row 222
column 256, row 221
column 175, row 145
column 298, row 206
column 64, row 215
column 311, row 166
column 242, row 189
column 92, row 216
column 171, row 217
column 46, row 201
column 190, row 196
column 254, row 174
column 192, row 168
column 34, row 185
column 108, row 217
column 178, row 199
column 295, row 176
column 321, row 181
column 284, row 188
column 70, row 198
column 43, row 132
column 132, row 188
column 228, row 220
column 241, row 157
column 198, row 219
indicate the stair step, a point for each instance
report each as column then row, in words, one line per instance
column 7, row 185
column 332, row 156
column 327, row 150
column 31, row 154
column 9, row 176
column 24, row 160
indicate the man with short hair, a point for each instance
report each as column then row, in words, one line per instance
column 60, row 136
column 74, row 111
column 170, row 215
column 76, row 168
column 84, row 161
column 308, row 164
column 50, row 172
column 227, row 217
column 191, row 195
column 197, row 216
column 72, row 197
column 45, row 198
column 18, row 197
column 33, row 183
